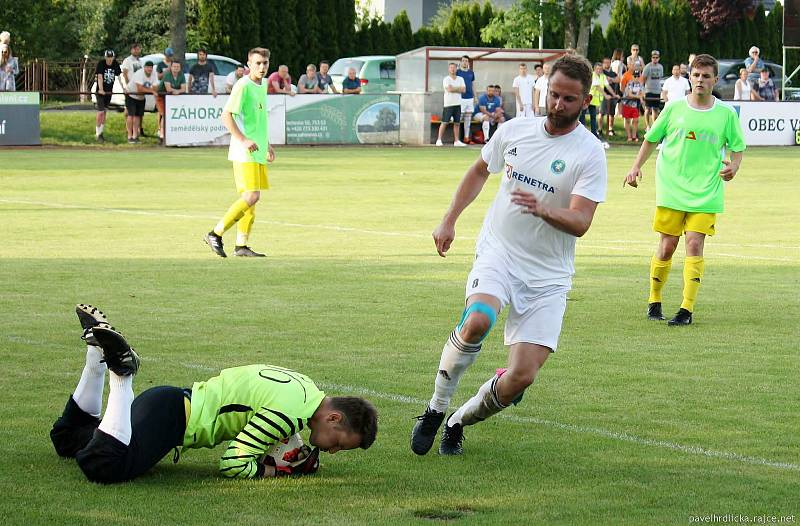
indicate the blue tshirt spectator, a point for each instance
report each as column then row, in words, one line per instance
column 753, row 64
column 491, row 103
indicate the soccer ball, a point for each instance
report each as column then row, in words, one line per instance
column 287, row 452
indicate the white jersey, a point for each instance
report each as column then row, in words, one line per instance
column 452, row 98
column 542, row 84
column 131, row 65
column 554, row 168
column 525, row 85
column 676, row 88
column 141, row 78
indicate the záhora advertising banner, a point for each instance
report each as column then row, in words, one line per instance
column 19, row 118
column 195, row 120
column 769, row 123
column 343, row 119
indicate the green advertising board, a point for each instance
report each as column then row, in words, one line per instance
column 343, row 119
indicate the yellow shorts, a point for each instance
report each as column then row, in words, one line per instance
column 676, row 222
column 250, row 177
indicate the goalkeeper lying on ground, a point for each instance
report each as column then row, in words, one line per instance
column 253, row 407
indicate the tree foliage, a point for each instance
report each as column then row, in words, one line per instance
column 716, row 14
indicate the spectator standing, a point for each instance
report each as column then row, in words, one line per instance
column 753, row 64
column 675, row 87
column 689, row 65
column 9, row 69
column 540, row 91
column 653, row 73
column 173, row 82
column 145, row 81
column 106, row 72
column 309, row 82
column 635, row 59
column 351, row 85
column 632, row 98
column 233, row 77
column 498, row 91
column 201, row 75
column 764, row 88
column 685, row 72
column 453, row 88
column 523, row 91
column 325, row 79
column 280, row 82
column 538, row 71
column 468, row 97
column 599, row 90
column 130, row 66
column 490, row 111
column 609, row 105
column 742, row 89
column 162, row 66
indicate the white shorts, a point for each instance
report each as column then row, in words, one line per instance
column 467, row 106
column 525, row 111
column 535, row 314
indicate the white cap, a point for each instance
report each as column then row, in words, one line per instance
column 754, row 48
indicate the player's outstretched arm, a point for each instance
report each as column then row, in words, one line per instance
column 468, row 189
column 635, row 173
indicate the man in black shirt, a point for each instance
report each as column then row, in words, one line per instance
column 201, row 75
column 106, row 72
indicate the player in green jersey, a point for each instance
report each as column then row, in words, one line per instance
column 246, row 117
column 696, row 131
column 250, row 407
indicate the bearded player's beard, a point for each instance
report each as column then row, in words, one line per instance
column 561, row 120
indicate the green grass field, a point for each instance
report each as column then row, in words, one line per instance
column 631, row 422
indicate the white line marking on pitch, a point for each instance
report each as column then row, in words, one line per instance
column 415, row 235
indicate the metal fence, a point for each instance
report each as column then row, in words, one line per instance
column 65, row 81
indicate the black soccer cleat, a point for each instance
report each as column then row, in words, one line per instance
column 452, row 438
column 247, row 252
column 215, row 242
column 120, row 357
column 425, row 429
column 90, row 317
column 654, row 312
column 683, row 317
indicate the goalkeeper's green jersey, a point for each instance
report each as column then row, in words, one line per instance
column 254, row 407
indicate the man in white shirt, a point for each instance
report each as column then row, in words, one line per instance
column 131, row 65
column 540, row 91
column 144, row 81
column 675, row 87
column 523, row 92
column 554, row 177
column 453, row 86
column 233, row 76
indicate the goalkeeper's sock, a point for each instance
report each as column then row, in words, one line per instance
column 89, row 393
column 457, row 355
column 234, row 213
column 117, row 420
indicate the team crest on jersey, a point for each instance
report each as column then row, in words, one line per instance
column 558, row 166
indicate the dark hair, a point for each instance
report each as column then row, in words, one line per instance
column 202, row 50
column 575, row 67
column 136, row 44
column 465, row 56
column 704, row 61
column 360, row 417
column 264, row 52
column 321, row 62
column 617, row 54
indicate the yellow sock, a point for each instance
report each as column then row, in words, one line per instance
column 234, row 213
column 244, row 226
column 659, row 270
column 693, row 268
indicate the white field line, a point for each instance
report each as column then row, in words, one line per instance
column 584, row 430
column 415, row 235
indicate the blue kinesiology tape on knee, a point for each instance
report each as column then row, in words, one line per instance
column 484, row 309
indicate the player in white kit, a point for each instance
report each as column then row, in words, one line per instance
column 554, row 175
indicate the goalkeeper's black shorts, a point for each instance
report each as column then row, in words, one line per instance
column 158, row 422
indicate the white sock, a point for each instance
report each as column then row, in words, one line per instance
column 486, row 127
column 457, row 355
column 89, row 393
column 467, row 124
column 117, row 420
column 241, row 239
column 98, row 130
column 480, row 407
